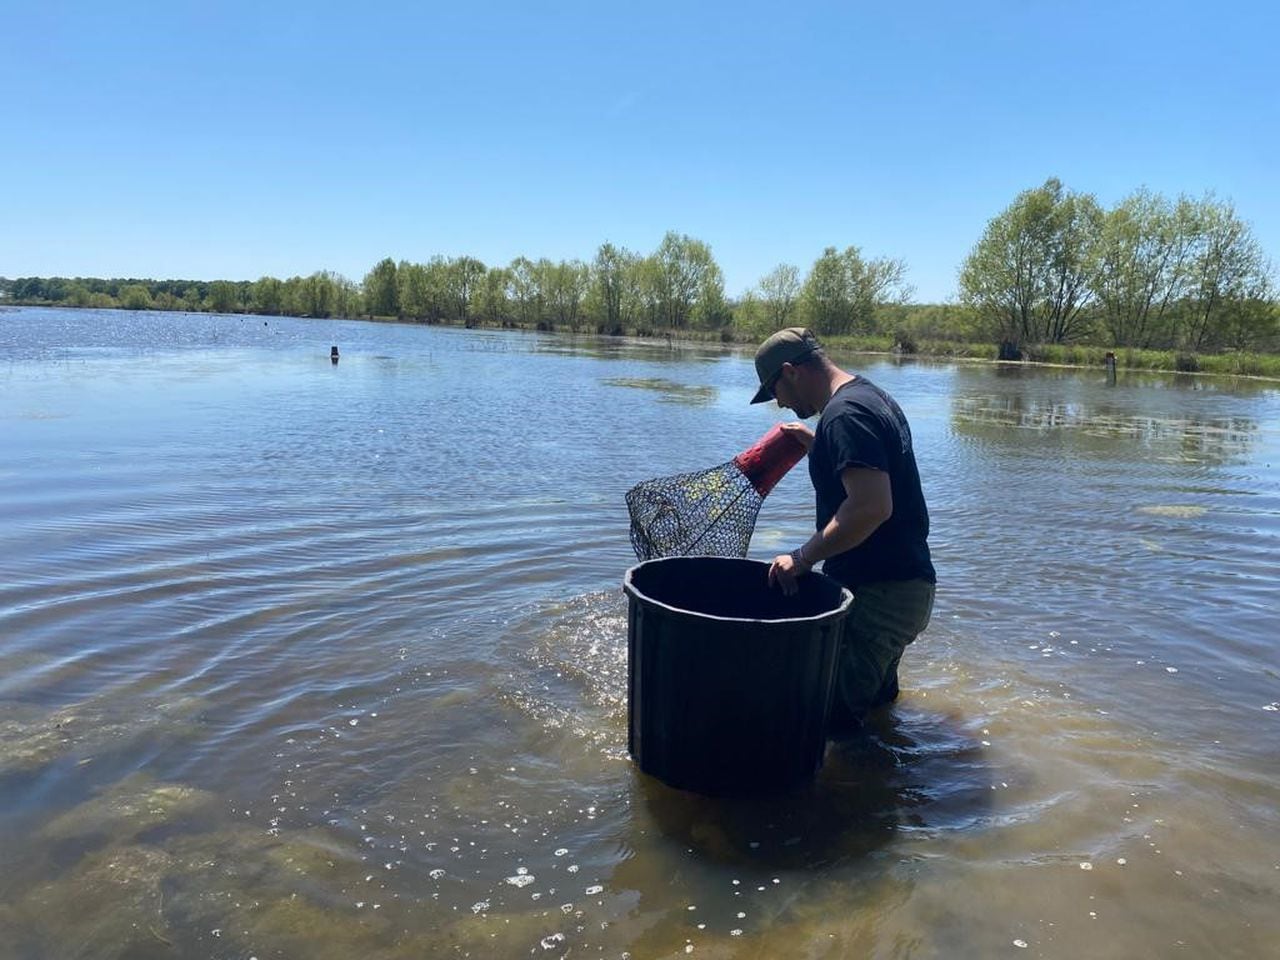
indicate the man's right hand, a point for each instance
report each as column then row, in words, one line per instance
column 785, row 570
column 800, row 432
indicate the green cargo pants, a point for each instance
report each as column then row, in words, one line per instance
column 885, row 617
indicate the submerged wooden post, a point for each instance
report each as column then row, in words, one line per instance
column 1111, row 368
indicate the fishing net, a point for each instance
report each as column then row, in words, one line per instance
column 710, row 512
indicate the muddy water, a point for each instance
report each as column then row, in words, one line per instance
column 305, row 660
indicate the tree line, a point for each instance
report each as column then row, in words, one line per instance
column 1182, row 274
column 677, row 287
column 1054, row 267
column 322, row 294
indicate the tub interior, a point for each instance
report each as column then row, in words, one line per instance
column 729, row 587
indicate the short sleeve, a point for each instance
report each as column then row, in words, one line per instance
column 854, row 442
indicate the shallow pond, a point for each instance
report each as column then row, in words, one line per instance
column 300, row 659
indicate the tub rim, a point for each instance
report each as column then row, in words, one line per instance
column 629, row 587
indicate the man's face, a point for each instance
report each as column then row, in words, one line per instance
column 788, row 392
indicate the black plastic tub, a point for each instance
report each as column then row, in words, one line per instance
column 728, row 680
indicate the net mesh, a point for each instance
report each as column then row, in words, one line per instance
column 710, row 512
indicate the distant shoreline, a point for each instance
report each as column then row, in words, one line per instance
column 1260, row 366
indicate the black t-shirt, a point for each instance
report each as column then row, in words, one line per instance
column 862, row 426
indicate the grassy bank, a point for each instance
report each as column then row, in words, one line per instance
column 1231, row 364
column 1263, row 365
column 1266, row 365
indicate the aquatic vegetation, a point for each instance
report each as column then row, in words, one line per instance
column 296, row 924
column 669, row 391
column 29, row 744
column 513, row 934
column 129, row 808
column 110, row 904
column 32, row 739
column 1180, row 511
column 308, row 852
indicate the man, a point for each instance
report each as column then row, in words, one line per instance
column 872, row 522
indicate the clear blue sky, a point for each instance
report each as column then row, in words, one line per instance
column 232, row 139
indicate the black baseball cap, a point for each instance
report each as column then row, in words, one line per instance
column 785, row 346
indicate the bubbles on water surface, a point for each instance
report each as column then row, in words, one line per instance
column 491, row 820
column 572, row 670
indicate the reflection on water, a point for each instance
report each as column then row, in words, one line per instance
column 914, row 771
column 304, row 660
column 999, row 417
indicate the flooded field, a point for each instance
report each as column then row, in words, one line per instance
column 330, row 661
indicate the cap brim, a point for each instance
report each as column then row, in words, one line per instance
column 763, row 395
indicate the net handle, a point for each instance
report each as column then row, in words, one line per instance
column 767, row 460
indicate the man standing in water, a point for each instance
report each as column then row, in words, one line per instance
column 872, row 522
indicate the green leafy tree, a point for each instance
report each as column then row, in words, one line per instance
column 1230, row 282
column 751, row 316
column 1142, row 268
column 463, row 275
column 1077, row 223
column 268, row 296
column 318, row 294
column 491, row 302
column 381, row 290
column 711, row 311
column 438, row 280
column 293, row 302
column 780, row 294
column 632, row 275
column 135, row 296
column 683, row 264
column 193, row 295
column 26, row 289
column 647, row 290
column 843, row 290
column 828, row 294
column 609, row 286
column 565, row 285
column 347, row 298
column 223, row 297
column 1028, row 276
column 414, row 290
column 525, row 290
column 931, row 321
column 77, row 294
